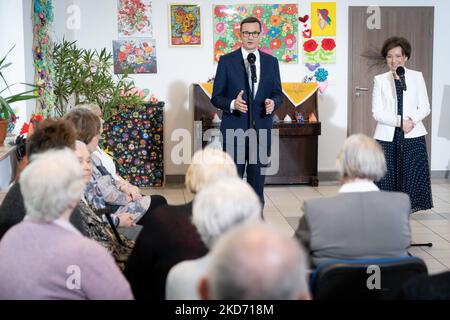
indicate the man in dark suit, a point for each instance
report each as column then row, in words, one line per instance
column 232, row 94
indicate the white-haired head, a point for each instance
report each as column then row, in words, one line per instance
column 222, row 205
column 93, row 107
column 51, row 183
column 361, row 157
column 256, row 262
column 208, row 165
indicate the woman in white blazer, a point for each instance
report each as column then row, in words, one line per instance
column 399, row 109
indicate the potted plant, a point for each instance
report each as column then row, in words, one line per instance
column 85, row 76
column 7, row 115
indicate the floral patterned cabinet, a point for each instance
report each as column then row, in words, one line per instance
column 134, row 137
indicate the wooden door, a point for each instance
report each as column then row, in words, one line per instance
column 413, row 23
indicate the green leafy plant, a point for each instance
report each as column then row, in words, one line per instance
column 85, row 76
column 6, row 112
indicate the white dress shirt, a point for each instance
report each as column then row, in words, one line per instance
column 359, row 185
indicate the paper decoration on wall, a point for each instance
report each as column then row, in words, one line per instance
column 42, row 55
column 319, row 50
column 134, row 18
column 185, row 25
column 134, row 56
column 323, row 19
column 136, row 138
column 279, row 27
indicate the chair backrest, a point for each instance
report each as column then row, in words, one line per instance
column 370, row 279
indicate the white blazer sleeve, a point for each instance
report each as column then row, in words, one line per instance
column 423, row 108
column 380, row 113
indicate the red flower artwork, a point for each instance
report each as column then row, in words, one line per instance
column 310, row 45
column 290, row 9
column 275, row 44
column 220, row 11
column 328, row 44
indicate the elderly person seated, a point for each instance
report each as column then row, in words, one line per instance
column 93, row 224
column 49, row 134
column 100, row 157
column 169, row 236
column 45, row 257
column 361, row 222
column 255, row 262
column 102, row 191
column 218, row 208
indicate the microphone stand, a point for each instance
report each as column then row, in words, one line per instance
column 402, row 178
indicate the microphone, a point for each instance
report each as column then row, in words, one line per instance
column 251, row 58
column 401, row 73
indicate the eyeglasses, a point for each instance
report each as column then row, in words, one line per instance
column 247, row 34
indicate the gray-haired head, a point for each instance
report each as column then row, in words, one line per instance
column 51, row 183
column 256, row 262
column 222, row 205
column 361, row 157
column 207, row 166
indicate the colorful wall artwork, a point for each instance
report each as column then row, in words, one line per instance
column 279, row 27
column 134, row 18
column 135, row 138
column 134, row 56
column 319, row 34
column 319, row 50
column 42, row 55
column 185, row 25
column 323, row 19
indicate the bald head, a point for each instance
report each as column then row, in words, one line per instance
column 256, row 262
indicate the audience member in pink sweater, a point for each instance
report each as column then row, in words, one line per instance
column 45, row 257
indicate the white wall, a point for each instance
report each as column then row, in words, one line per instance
column 178, row 68
column 12, row 33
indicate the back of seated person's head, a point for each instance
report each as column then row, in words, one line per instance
column 86, row 123
column 94, row 108
column 51, row 134
column 255, row 262
column 222, row 205
column 51, row 184
column 361, row 157
column 208, row 165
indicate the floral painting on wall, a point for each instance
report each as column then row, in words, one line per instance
column 134, row 56
column 134, row 18
column 185, row 25
column 319, row 50
column 279, row 28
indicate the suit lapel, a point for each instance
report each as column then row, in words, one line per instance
column 239, row 70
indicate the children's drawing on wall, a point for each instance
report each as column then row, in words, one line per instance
column 323, row 15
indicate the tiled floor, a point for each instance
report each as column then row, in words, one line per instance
column 284, row 208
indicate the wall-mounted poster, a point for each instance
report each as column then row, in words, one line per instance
column 279, row 27
column 185, row 25
column 134, row 56
column 134, row 18
column 319, row 50
column 323, row 19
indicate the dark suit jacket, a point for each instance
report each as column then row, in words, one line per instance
column 168, row 237
column 356, row 225
column 12, row 211
column 231, row 78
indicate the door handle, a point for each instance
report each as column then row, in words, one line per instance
column 359, row 89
